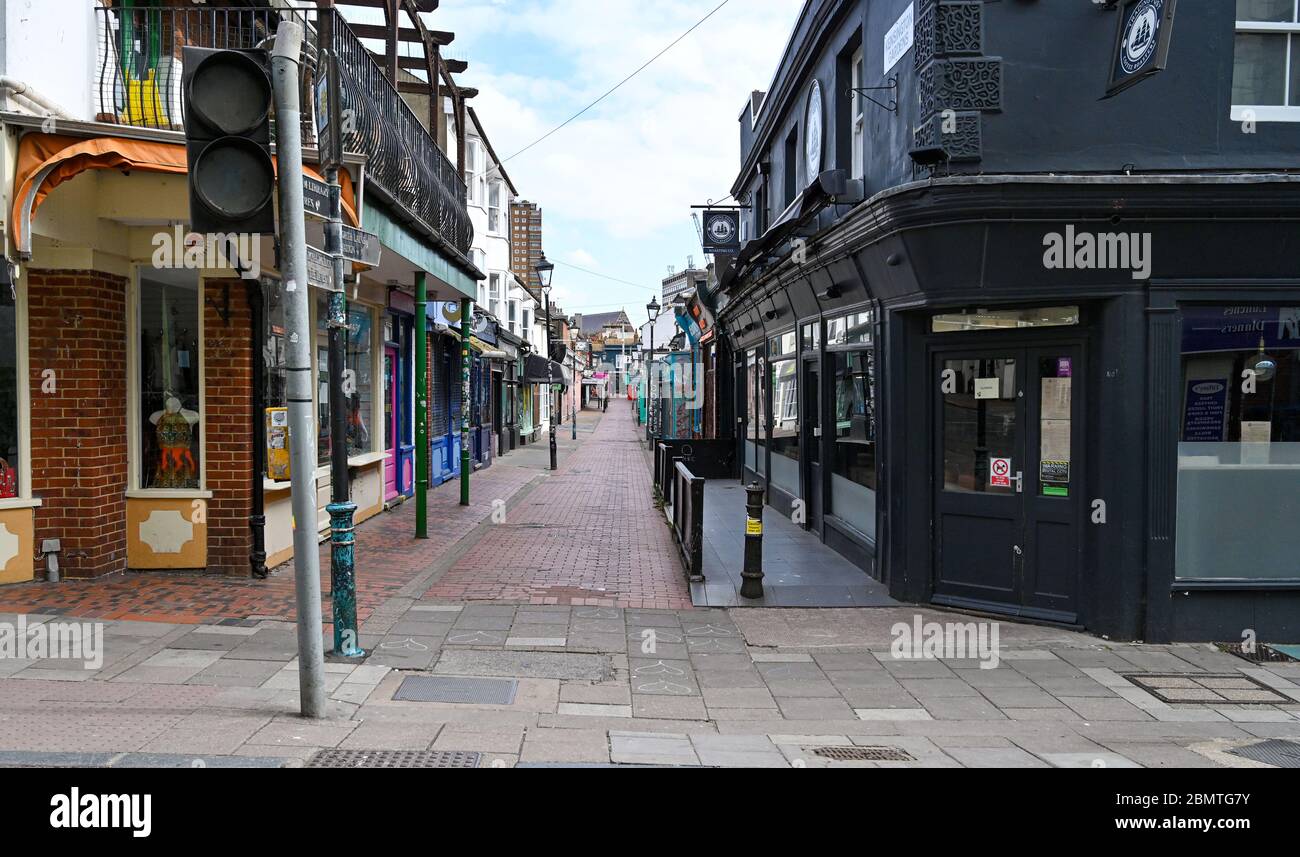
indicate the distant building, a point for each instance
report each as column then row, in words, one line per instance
column 682, row 282
column 526, row 243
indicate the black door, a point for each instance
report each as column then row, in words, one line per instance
column 1008, row 484
column 812, row 444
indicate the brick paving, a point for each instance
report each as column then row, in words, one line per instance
column 390, row 557
column 587, row 535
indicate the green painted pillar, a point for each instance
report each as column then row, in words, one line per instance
column 421, row 407
column 466, row 397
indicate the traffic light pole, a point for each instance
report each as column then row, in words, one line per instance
column 343, row 579
column 302, row 428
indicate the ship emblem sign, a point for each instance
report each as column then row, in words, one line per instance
column 1140, row 40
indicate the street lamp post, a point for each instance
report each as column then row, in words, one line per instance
column 577, row 388
column 652, row 310
column 545, row 270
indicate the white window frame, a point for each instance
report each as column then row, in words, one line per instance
column 1272, row 112
column 474, row 166
column 496, row 187
column 135, row 419
column 24, row 499
column 858, row 129
column 495, row 279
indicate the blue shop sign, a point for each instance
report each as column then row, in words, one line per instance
column 1239, row 328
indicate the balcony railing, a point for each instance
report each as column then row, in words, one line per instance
column 139, row 84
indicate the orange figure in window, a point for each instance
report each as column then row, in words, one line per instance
column 176, row 465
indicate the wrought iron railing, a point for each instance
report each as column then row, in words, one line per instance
column 138, row 83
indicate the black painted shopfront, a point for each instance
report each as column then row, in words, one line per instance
column 981, row 427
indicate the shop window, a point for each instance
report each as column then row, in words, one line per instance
column 9, row 453
column 170, row 402
column 784, row 368
column 812, row 336
column 853, row 474
column 358, row 381
column 855, row 329
column 756, row 410
column 1239, row 443
column 1004, row 319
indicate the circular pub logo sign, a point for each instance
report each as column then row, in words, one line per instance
column 1140, row 37
column 722, row 229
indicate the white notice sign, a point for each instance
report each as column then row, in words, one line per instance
column 898, row 41
column 988, row 388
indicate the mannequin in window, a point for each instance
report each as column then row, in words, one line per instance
column 176, row 467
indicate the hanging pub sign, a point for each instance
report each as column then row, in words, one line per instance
column 721, row 232
column 1142, row 43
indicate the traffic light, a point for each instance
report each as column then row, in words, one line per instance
column 228, row 141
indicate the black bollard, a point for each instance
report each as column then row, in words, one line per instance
column 752, row 587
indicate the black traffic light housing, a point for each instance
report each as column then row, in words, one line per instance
column 228, row 141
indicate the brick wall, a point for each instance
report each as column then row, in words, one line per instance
column 78, row 330
column 228, row 362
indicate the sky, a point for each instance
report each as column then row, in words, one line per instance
column 617, row 184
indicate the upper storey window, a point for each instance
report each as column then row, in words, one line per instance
column 1266, row 69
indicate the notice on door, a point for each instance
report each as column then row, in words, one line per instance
column 1000, row 473
column 988, row 388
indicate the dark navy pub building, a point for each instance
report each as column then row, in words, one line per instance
column 1015, row 316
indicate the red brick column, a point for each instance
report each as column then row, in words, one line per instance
column 228, row 398
column 77, row 343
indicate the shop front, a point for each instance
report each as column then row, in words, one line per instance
column 1107, row 444
column 399, row 404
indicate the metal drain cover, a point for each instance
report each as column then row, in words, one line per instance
column 864, row 754
column 336, row 758
column 1281, row 754
column 1261, row 653
column 466, row 691
column 1231, row 689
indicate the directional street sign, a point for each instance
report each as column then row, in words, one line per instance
column 315, row 198
column 360, row 246
column 320, row 269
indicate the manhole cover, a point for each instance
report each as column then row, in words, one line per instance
column 1258, row 654
column 864, row 754
column 1281, row 754
column 1235, row 689
column 467, row 691
column 336, row 758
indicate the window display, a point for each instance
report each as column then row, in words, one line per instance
column 1239, row 443
column 170, row 429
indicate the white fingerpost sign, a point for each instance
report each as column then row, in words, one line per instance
column 899, row 39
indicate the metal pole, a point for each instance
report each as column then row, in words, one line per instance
column 650, row 370
column 257, row 514
column 421, row 406
column 466, row 308
column 343, row 578
column 550, row 381
column 575, row 391
column 302, row 421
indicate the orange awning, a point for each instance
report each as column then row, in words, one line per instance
column 46, row 161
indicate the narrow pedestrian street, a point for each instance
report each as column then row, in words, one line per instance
column 711, row 385
column 559, row 631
